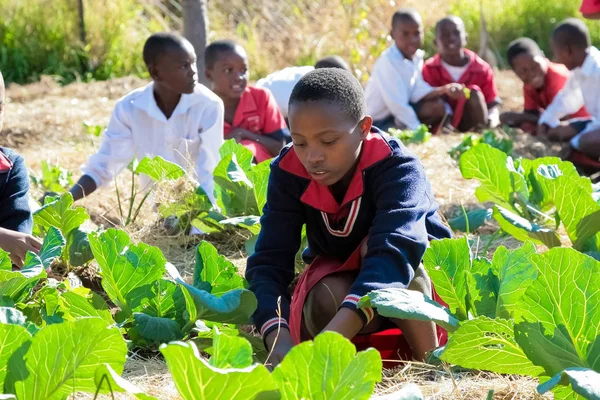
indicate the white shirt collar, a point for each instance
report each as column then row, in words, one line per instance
column 419, row 54
column 146, row 102
column 592, row 59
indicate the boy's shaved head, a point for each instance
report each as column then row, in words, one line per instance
column 406, row 14
column 572, row 32
column 218, row 47
column 334, row 86
column 333, row 62
column 520, row 46
column 451, row 18
column 159, row 43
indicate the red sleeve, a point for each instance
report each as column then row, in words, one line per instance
column 271, row 117
column 430, row 75
column 531, row 102
column 488, row 85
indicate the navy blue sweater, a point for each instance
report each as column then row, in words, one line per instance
column 14, row 197
column 389, row 199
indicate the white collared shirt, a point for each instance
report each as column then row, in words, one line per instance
column 582, row 88
column 280, row 84
column 395, row 83
column 191, row 137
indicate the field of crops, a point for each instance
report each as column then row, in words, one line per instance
column 521, row 279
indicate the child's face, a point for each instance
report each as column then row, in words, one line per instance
column 564, row 55
column 229, row 75
column 451, row 38
column 408, row 36
column 326, row 140
column 530, row 69
column 176, row 69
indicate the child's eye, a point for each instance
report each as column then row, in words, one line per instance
column 227, row 70
column 330, row 142
column 299, row 144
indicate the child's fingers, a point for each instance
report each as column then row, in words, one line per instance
column 16, row 259
column 35, row 243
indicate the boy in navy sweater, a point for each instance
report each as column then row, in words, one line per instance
column 369, row 214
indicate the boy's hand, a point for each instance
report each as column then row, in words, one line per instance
column 18, row 244
column 542, row 130
column 238, row 134
column 279, row 344
column 454, row 91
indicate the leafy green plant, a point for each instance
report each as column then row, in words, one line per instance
column 419, row 135
column 157, row 169
column 94, row 130
column 336, row 370
column 496, row 139
column 532, row 197
column 506, row 315
column 53, row 178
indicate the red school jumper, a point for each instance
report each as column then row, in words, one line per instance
column 478, row 76
column 257, row 112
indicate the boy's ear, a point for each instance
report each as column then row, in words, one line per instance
column 208, row 74
column 365, row 126
column 153, row 71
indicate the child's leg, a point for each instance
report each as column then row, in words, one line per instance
column 589, row 144
column 431, row 112
column 420, row 335
column 475, row 113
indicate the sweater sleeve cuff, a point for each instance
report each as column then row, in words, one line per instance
column 365, row 313
column 272, row 324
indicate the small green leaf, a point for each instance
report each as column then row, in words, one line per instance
column 249, row 222
column 17, row 285
column 107, row 377
column 5, row 262
column 447, row 262
column 59, row 213
column 482, row 284
column 63, row 359
column 242, row 154
column 524, row 230
column 52, row 246
column 474, row 218
column 149, row 330
column 260, row 180
column 215, row 273
column 196, row 379
column 409, row 304
column 159, row 169
column 80, row 251
column 555, row 325
column 234, row 307
column 488, row 344
column 328, row 367
column 77, row 305
column 584, row 382
column 230, row 351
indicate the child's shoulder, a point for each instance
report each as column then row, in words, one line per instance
column 204, row 93
column 477, row 62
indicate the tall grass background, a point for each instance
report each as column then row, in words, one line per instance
column 41, row 37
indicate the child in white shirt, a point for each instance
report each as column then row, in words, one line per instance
column 396, row 94
column 571, row 46
column 174, row 117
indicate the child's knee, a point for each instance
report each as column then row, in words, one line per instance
column 324, row 299
column 421, row 282
column 431, row 111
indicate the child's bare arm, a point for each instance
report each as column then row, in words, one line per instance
column 18, row 244
column 511, row 118
column 84, row 187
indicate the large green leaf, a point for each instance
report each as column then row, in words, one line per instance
column 52, row 246
column 250, row 222
column 195, row 378
column 234, row 307
column 215, row 273
column 83, row 302
column 584, row 381
column 126, row 267
column 471, row 221
column 149, row 330
column 447, row 262
column 515, row 273
column 242, row 154
column 107, row 376
column 80, row 251
column 158, row 169
column 328, row 368
column 488, row 344
column 524, row 230
column 491, row 167
column 409, row 304
column 558, row 326
column 5, row 262
column 63, row 358
column 230, row 351
column 17, row 285
column 59, row 213
column 238, row 196
column 12, row 338
column 482, row 284
column 578, row 211
column 260, row 179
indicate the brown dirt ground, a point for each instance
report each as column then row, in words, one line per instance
column 43, row 121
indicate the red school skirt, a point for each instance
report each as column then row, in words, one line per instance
column 390, row 343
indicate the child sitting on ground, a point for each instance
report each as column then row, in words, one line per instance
column 542, row 80
column 396, row 94
column 16, row 221
column 369, row 214
column 280, row 83
column 173, row 116
column 251, row 114
column 572, row 47
column 455, row 63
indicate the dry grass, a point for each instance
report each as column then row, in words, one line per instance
column 43, row 121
